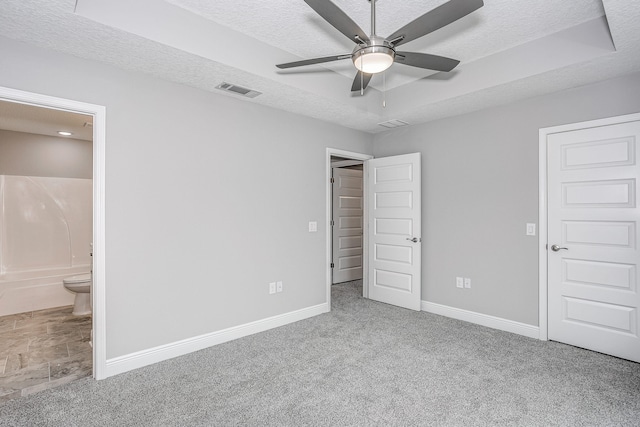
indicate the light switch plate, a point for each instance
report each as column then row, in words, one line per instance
column 313, row 226
column 467, row 282
column 459, row 282
column 531, row 229
column 279, row 286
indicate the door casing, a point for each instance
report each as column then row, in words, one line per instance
column 328, row 213
column 543, row 207
column 99, row 137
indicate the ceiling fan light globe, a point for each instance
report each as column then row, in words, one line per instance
column 374, row 62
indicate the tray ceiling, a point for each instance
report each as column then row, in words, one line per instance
column 509, row 50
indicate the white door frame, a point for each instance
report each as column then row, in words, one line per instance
column 328, row 245
column 99, row 295
column 542, row 205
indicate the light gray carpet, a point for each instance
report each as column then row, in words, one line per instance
column 365, row 363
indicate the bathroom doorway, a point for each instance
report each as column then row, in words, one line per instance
column 53, row 178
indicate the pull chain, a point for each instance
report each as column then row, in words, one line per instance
column 384, row 89
column 361, row 77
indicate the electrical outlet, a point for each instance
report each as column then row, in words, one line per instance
column 279, row 286
column 459, row 282
column 313, row 226
column 467, row 282
column 272, row 287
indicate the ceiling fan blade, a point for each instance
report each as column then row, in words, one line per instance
column 424, row 60
column 435, row 19
column 336, row 17
column 361, row 78
column 313, row 61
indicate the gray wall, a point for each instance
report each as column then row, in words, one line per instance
column 208, row 199
column 27, row 154
column 480, row 188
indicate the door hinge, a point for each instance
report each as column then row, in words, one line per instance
column 332, row 265
column 333, row 223
column 332, row 180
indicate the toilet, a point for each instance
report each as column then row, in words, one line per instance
column 81, row 286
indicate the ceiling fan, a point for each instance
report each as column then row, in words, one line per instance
column 374, row 54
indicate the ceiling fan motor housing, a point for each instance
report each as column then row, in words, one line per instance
column 373, row 57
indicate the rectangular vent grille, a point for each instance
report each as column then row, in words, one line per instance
column 243, row 91
column 393, row 124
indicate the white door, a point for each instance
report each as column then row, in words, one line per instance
column 593, row 235
column 394, row 230
column 347, row 224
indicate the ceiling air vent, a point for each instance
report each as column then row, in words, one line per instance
column 247, row 93
column 393, row 124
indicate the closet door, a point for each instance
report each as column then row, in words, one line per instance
column 593, row 235
column 347, row 224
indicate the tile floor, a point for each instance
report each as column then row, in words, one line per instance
column 43, row 349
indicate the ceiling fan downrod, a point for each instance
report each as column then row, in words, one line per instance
column 373, row 18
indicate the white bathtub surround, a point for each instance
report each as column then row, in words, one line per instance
column 45, row 235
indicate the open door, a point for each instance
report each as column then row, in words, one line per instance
column 394, row 230
column 347, row 224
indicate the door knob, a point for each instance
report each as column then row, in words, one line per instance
column 414, row 239
column 556, row 248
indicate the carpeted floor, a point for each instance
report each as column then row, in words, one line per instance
column 365, row 363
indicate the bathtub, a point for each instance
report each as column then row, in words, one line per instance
column 45, row 236
column 36, row 290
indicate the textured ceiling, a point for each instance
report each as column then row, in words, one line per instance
column 510, row 50
column 294, row 27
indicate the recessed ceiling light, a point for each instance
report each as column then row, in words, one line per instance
column 64, row 133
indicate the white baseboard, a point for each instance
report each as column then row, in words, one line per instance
column 482, row 319
column 136, row 360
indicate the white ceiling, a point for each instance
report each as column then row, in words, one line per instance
column 294, row 27
column 509, row 50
